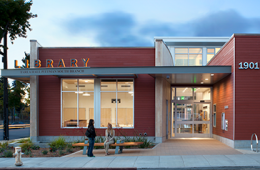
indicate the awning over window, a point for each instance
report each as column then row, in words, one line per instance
column 173, row 74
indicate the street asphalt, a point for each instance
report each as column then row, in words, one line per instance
column 16, row 133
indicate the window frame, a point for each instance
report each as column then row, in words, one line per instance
column 116, row 102
column 61, row 100
column 214, row 47
column 189, row 54
column 214, row 115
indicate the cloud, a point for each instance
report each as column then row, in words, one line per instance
column 121, row 29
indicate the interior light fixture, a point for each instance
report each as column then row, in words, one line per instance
column 201, row 82
column 184, row 90
column 212, row 74
column 79, row 92
column 206, row 79
column 131, row 92
column 86, row 81
column 86, row 94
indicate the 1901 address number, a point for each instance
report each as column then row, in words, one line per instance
column 246, row 65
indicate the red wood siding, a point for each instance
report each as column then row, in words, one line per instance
column 100, row 57
column 144, row 99
column 247, row 88
column 223, row 90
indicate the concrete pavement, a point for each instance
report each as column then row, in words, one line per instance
column 249, row 161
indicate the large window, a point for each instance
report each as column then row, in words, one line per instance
column 77, row 102
column 188, row 56
column 115, row 96
column 117, row 103
column 211, row 53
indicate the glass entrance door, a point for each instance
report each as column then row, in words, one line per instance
column 190, row 118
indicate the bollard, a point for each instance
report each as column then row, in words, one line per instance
column 18, row 156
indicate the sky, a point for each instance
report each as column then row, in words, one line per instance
column 132, row 23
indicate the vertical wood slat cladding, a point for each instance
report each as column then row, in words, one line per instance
column 223, row 90
column 247, row 88
column 144, row 95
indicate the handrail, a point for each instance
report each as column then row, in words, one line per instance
column 256, row 139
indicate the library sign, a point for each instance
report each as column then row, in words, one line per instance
column 49, row 63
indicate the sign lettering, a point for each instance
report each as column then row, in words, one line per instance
column 246, row 65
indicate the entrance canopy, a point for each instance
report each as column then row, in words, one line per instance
column 173, row 74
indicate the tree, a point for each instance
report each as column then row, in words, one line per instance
column 27, row 86
column 14, row 16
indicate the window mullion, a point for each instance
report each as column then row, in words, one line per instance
column 116, row 101
column 78, row 103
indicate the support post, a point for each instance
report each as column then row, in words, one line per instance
column 6, row 121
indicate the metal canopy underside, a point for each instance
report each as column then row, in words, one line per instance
column 173, row 74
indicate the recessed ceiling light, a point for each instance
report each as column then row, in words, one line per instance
column 86, row 81
column 201, row 83
column 212, row 74
column 131, row 92
column 86, row 94
column 206, row 79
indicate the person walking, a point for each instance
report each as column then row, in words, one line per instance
column 110, row 138
column 91, row 137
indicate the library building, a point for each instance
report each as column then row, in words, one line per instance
column 182, row 87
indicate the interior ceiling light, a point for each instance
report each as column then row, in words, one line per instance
column 201, row 83
column 184, row 90
column 212, row 74
column 86, row 81
column 79, row 92
column 131, row 92
column 86, row 94
column 206, row 79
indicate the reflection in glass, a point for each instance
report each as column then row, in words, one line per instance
column 86, row 84
column 86, row 108
column 184, row 128
column 181, row 59
column 195, row 60
column 201, row 128
column 210, row 50
column 195, row 50
column 209, row 57
column 184, row 93
column 181, row 50
column 184, row 112
column 124, row 85
column 125, row 109
column 108, row 109
column 69, row 85
column 202, row 94
column 201, row 112
column 216, row 50
column 69, row 109
column 108, row 85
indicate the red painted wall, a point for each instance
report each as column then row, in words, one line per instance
column 247, row 88
column 223, row 90
column 49, row 87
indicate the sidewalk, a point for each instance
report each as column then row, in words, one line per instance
column 157, row 162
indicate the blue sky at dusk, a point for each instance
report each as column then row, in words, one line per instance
column 122, row 23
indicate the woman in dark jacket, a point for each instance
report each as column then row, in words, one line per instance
column 91, row 137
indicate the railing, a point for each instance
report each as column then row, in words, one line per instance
column 256, row 139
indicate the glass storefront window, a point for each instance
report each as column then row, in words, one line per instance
column 202, row 94
column 173, row 93
column 184, row 112
column 173, row 119
column 184, row 93
column 108, row 85
column 184, row 128
column 195, row 50
column 117, row 106
column 125, row 109
column 201, row 112
column 209, row 57
column 69, row 109
column 86, row 84
column 201, row 128
column 124, row 85
column 86, row 108
column 108, row 109
column 69, row 85
column 195, row 60
column 181, row 50
column 181, row 59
